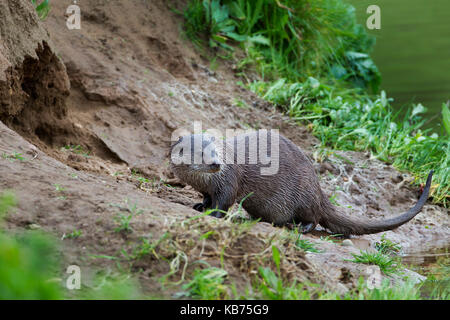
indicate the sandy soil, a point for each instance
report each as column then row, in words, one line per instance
column 118, row 88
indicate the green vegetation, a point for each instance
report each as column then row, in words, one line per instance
column 77, row 149
column 42, row 8
column 388, row 265
column 7, row 200
column 73, row 235
column 446, row 117
column 26, row 267
column 313, row 60
column 387, row 291
column 124, row 219
column 386, row 246
column 293, row 39
column 206, row 284
column 305, row 244
column 13, row 156
column 26, row 262
column 271, row 285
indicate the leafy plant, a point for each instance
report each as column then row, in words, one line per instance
column 293, row 39
column 211, row 18
column 42, row 8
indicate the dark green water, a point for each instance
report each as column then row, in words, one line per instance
column 413, row 51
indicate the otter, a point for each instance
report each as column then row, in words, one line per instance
column 292, row 195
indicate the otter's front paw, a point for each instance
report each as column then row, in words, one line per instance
column 217, row 214
column 307, row 228
column 198, row 206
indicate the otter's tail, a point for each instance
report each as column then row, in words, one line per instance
column 340, row 223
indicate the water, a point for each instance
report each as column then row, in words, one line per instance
column 435, row 265
column 413, row 51
column 428, row 261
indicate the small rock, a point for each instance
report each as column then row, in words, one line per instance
column 347, row 243
column 34, row 226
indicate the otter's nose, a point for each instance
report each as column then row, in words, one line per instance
column 215, row 166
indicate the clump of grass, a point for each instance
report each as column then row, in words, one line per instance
column 124, row 219
column 271, row 285
column 407, row 290
column 73, row 235
column 148, row 247
column 388, row 265
column 77, row 149
column 331, row 238
column 206, row 284
column 388, row 247
column 13, row 156
column 306, row 245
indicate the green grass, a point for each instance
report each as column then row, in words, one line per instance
column 306, row 245
column 73, row 235
column 7, row 201
column 124, row 219
column 13, row 156
column 77, row 149
column 293, row 39
column 388, row 265
column 206, row 284
column 386, row 246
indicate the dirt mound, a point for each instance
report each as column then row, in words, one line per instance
column 34, row 84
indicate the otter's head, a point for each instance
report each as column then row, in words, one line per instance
column 196, row 153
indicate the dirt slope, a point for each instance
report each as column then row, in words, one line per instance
column 133, row 80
